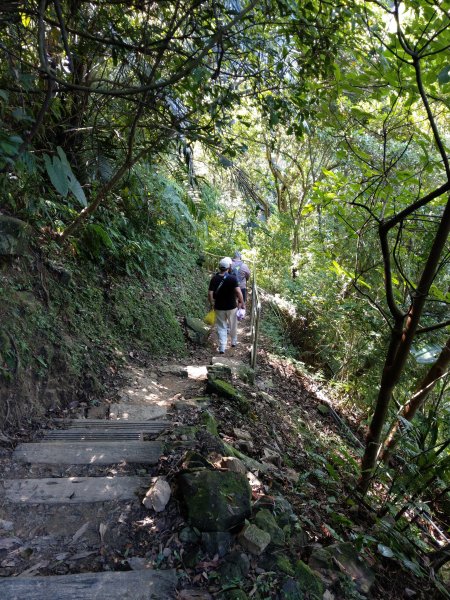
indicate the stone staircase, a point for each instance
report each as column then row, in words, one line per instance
column 90, row 506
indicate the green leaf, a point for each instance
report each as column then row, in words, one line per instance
column 77, row 191
column 444, row 75
column 385, row 551
column 57, row 175
column 62, row 176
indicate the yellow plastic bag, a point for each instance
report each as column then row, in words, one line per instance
column 210, row 318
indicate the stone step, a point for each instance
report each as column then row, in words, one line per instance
column 136, row 412
column 93, row 435
column 125, row 585
column 72, row 490
column 142, row 426
column 88, row 453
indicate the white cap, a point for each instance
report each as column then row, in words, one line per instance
column 225, row 263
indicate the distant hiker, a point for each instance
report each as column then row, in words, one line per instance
column 225, row 296
column 242, row 273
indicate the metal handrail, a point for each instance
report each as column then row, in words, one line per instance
column 254, row 323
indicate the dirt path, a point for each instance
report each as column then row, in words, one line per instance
column 70, row 497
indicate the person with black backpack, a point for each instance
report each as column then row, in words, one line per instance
column 225, row 296
column 242, row 273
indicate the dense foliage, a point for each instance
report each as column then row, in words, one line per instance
column 134, row 135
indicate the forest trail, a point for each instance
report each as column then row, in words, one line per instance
column 71, row 497
column 73, row 524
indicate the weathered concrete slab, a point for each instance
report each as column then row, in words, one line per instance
column 104, row 424
column 72, row 490
column 137, row 412
column 126, row 585
column 233, row 363
column 88, row 453
column 92, row 435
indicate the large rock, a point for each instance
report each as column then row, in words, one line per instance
column 215, row 500
column 196, row 330
column 13, row 236
column 342, row 558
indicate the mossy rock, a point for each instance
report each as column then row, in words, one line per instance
column 291, row 590
column 234, row 569
column 343, row 560
column 226, row 390
column 14, row 234
column 308, row 580
column 266, row 521
column 196, row 329
column 215, row 500
column 235, row 595
column 209, row 422
column 219, row 371
column 195, row 460
column 246, row 374
column 284, row 564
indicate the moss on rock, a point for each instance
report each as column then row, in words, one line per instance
column 215, row 500
column 308, row 580
column 226, row 390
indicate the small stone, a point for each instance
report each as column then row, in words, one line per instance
column 189, row 535
column 409, row 593
column 291, row 590
column 272, row 457
column 167, row 552
column 291, row 474
column 233, row 464
column 6, row 525
column 242, row 434
column 9, row 542
column 158, row 495
column 138, row 563
column 254, row 539
column 244, row 445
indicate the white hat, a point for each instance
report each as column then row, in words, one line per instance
column 225, row 263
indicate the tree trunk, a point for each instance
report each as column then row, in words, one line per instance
column 399, row 351
column 439, row 557
column 417, row 401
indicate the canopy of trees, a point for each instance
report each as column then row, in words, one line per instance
column 314, row 134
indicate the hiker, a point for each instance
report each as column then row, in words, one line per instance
column 242, row 273
column 225, row 296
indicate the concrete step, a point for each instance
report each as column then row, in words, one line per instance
column 137, row 412
column 107, row 425
column 88, row 453
column 92, row 435
column 125, row 585
column 72, row 490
